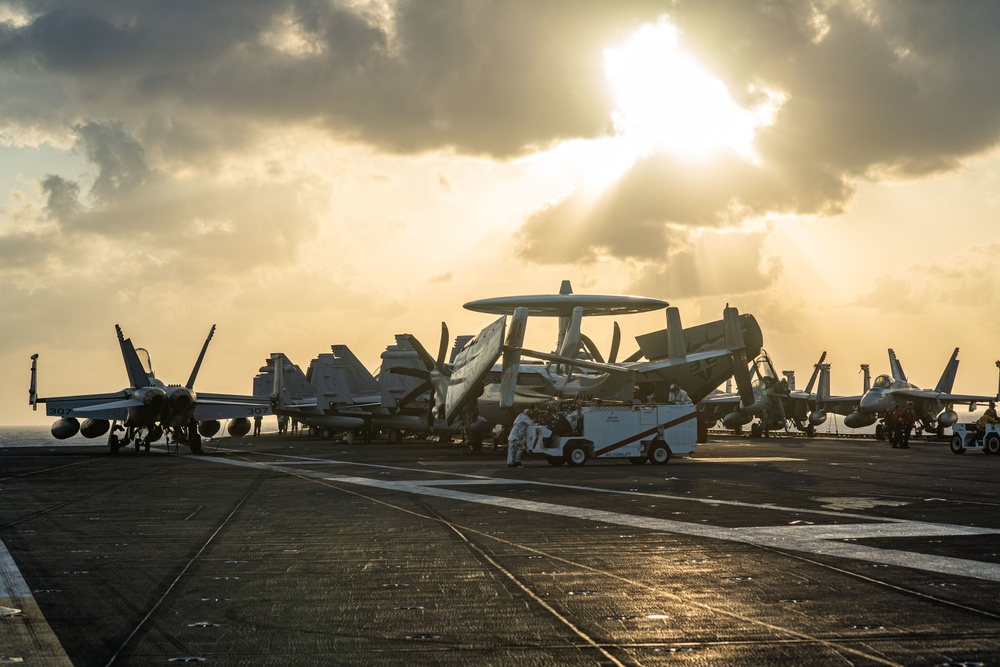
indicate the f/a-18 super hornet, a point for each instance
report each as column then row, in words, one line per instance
column 141, row 413
column 777, row 404
column 934, row 408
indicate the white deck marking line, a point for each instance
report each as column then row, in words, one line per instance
column 12, row 584
column 813, row 539
column 43, row 645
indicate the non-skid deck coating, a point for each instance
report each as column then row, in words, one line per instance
column 296, row 551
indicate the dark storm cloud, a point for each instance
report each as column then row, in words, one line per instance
column 486, row 77
column 872, row 88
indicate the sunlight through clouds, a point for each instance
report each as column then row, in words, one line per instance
column 668, row 100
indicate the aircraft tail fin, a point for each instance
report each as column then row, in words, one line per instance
column 896, row 368
column 816, row 372
column 512, row 356
column 290, row 383
column 201, row 357
column 947, row 380
column 737, row 349
column 361, row 379
column 33, row 387
column 570, row 346
column 676, row 344
column 823, row 384
column 137, row 375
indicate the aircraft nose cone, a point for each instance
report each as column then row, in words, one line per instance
column 871, row 402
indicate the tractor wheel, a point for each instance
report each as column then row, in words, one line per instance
column 957, row 445
column 992, row 444
column 659, row 453
column 576, row 455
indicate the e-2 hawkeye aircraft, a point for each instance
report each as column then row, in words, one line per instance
column 147, row 408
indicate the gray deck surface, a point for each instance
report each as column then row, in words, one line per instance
column 285, row 550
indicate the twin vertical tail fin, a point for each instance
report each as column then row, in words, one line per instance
column 896, row 368
column 947, row 380
column 137, row 375
column 33, row 387
column 816, row 373
column 201, row 357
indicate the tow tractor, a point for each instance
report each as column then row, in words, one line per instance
column 968, row 436
column 634, row 432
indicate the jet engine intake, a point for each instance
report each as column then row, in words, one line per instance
column 858, row 419
column 66, row 427
column 209, row 428
column 93, row 428
column 238, row 427
column 735, row 420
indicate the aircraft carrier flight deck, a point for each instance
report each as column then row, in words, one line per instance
column 293, row 550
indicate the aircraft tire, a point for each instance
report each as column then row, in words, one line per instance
column 992, row 444
column 659, row 453
column 879, row 432
column 637, row 460
column 810, row 431
column 957, row 445
column 576, row 455
column 395, row 436
column 555, row 460
column 755, row 430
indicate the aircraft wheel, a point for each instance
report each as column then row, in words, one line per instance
column 395, row 436
column 326, row 433
column 879, row 432
column 576, row 455
column 755, row 430
column 992, row 444
column 957, row 445
column 810, row 431
column 555, row 460
column 659, row 453
column 637, row 460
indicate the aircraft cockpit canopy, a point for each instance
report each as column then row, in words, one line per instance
column 882, row 382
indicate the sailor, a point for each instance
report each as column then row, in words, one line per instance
column 518, row 438
column 904, row 418
column 989, row 417
column 575, row 418
column 678, row 396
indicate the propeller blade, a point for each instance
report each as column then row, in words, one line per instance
column 414, row 394
column 616, row 341
column 412, row 372
column 443, row 346
column 635, row 356
column 421, row 351
column 589, row 344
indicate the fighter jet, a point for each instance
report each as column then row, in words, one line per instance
column 140, row 414
column 934, row 407
column 777, row 404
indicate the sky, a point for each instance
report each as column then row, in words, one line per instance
column 312, row 172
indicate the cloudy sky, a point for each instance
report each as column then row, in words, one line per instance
column 309, row 172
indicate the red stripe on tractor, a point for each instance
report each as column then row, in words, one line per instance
column 640, row 436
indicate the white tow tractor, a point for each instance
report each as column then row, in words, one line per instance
column 634, row 432
column 969, row 436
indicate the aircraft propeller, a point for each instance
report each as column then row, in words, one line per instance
column 435, row 377
column 616, row 340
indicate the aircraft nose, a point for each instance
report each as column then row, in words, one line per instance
column 871, row 402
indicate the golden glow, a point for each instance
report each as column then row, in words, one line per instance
column 668, row 100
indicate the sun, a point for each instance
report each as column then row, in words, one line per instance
column 666, row 100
